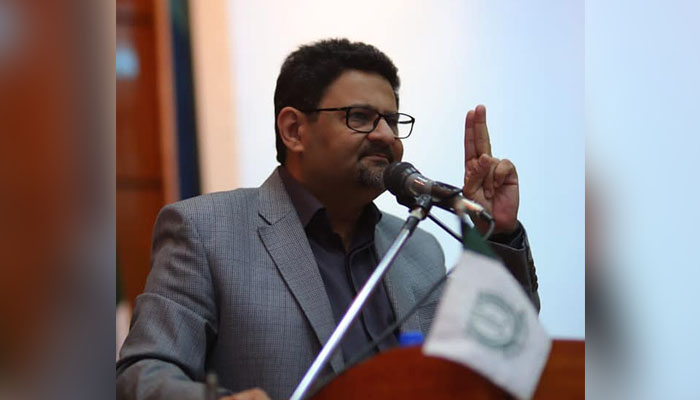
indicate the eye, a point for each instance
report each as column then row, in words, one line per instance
column 361, row 115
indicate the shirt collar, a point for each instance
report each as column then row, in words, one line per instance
column 307, row 205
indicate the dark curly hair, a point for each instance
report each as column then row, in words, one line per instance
column 307, row 72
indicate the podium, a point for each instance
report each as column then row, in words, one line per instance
column 407, row 373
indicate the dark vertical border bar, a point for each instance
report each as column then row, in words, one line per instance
column 188, row 160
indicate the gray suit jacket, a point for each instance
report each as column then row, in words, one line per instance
column 235, row 288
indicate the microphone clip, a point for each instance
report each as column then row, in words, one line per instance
column 421, row 206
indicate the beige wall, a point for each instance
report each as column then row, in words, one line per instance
column 213, row 95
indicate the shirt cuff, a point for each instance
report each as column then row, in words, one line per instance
column 513, row 239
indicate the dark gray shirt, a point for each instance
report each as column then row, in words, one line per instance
column 344, row 273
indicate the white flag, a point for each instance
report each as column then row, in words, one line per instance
column 487, row 322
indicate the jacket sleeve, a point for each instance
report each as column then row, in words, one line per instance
column 175, row 319
column 517, row 256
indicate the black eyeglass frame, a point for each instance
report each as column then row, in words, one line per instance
column 374, row 124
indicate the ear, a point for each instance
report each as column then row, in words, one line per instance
column 290, row 122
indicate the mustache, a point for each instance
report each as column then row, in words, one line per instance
column 377, row 148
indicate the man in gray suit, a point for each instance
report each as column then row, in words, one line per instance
column 250, row 283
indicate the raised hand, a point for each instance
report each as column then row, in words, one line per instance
column 489, row 181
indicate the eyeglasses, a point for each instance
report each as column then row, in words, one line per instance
column 366, row 119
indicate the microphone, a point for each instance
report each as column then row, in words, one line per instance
column 405, row 182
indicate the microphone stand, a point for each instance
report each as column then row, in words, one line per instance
column 418, row 213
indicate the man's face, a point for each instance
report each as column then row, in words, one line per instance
column 336, row 156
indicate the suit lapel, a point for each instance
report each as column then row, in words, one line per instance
column 400, row 296
column 285, row 240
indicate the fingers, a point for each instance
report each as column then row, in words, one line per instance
column 479, row 166
column 489, row 164
column 476, row 173
column 504, row 174
column 482, row 142
column 469, row 141
column 490, row 174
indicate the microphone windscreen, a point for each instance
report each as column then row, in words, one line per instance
column 395, row 176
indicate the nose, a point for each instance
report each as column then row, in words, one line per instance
column 382, row 132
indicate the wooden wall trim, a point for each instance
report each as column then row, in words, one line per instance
column 166, row 97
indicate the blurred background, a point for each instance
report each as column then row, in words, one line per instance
column 195, row 83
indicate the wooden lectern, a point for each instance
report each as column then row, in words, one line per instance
column 405, row 373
